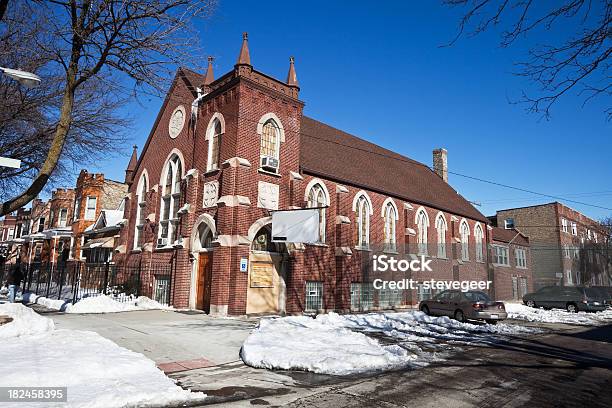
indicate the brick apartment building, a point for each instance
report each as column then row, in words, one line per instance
column 94, row 194
column 566, row 245
column 55, row 231
column 12, row 231
column 511, row 262
column 224, row 153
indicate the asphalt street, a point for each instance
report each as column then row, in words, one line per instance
column 570, row 367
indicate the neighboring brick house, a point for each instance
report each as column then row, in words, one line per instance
column 93, row 194
column 102, row 237
column 34, row 247
column 565, row 244
column 202, row 191
column 511, row 262
column 14, row 228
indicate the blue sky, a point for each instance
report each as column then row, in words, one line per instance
column 375, row 69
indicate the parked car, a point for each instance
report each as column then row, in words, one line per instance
column 571, row 298
column 606, row 292
column 470, row 305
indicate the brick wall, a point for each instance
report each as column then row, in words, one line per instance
column 243, row 97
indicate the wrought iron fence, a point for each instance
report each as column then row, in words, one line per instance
column 73, row 281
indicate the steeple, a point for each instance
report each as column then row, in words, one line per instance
column 291, row 76
column 244, row 58
column 129, row 171
column 210, row 75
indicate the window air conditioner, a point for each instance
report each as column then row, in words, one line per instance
column 269, row 163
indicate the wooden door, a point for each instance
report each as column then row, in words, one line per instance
column 204, row 281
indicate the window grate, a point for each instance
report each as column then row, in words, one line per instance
column 314, row 296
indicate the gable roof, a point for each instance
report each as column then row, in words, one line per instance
column 507, row 235
column 336, row 155
column 192, row 80
column 108, row 219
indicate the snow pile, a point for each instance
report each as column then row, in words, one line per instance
column 531, row 314
column 100, row 304
column 97, row 372
column 418, row 326
column 345, row 344
column 25, row 321
column 310, row 344
column 145, row 303
column 96, row 304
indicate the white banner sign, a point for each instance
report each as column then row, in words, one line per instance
column 297, row 226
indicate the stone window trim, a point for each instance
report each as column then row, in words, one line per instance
column 176, row 157
column 479, row 242
column 464, row 233
column 141, row 203
column 270, row 117
column 312, row 197
column 390, row 215
column 362, row 203
column 211, row 166
column 442, row 229
column 421, row 220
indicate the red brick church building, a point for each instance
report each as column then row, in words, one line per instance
column 225, row 153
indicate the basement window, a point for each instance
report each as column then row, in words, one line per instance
column 314, row 296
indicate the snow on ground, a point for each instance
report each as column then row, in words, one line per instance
column 25, row 321
column 310, row 344
column 339, row 344
column 531, row 314
column 97, row 372
column 96, row 304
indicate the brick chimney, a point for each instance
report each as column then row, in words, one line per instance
column 440, row 163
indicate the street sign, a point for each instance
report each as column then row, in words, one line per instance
column 243, row 264
column 13, row 163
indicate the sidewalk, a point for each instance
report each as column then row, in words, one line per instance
column 168, row 337
column 199, row 351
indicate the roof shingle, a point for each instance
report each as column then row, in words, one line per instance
column 507, row 235
column 339, row 156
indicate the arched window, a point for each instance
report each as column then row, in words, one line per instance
column 441, row 228
column 464, row 231
column 270, row 146
column 141, row 210
column 389, row 232
column 317, row 198
column 478, row 237
column 363, row 222
column 263, row 240
column 205, row 237
column 422, row 222
column 214, row 144
column 170, row 201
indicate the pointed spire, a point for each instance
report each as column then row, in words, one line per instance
column 129, row 171
column 244, row 58
column 210, row 75
column 134, row 158
column 292, row 76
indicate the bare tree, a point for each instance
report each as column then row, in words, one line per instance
column 579, row 62
column 27, row 116
column 101, row 51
